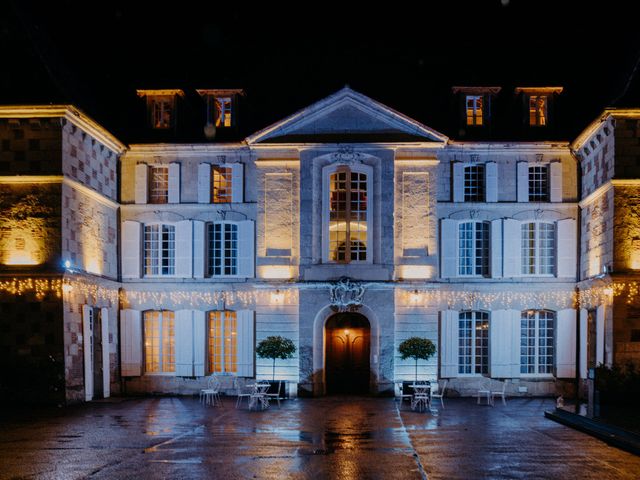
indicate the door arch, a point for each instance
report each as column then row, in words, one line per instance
column 348, row 345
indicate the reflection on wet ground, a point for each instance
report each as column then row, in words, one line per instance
column 331, row 437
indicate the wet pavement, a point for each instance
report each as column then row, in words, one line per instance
column 332, row 437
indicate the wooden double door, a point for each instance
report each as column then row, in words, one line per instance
column 348, row 343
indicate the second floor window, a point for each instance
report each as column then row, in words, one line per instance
column 159, row 342
column 158, row 184
column 473, row 248
column 221, row 183
column 474, row 187
column 537, row 110
column 222, row 342
column 159, row 250
column 474, row 110
column 473, row 343
column 538, row 248
column 348, row 216
column 223, row 249
column 539, row 183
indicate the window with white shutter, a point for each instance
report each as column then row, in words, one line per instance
column 538, row 248
column 473, row 343
column 245, row 356
column 159, row 250
column 130, row 343
column 449, row 344
column 222, row 342
column 131, row 249
column 173, row 195
column 204, row 183
column 159, row 341
column 141, row 183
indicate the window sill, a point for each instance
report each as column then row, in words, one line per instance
column 159, row 374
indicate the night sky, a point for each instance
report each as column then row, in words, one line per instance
column 287, row 58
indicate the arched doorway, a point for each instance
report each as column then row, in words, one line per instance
column 347, row 353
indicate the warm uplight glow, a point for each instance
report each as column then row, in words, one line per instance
column 20, row 258
column 411, row 272
column 67, row 288
column 276, row 271
column 415, row 296
column 277, row 297
column 346, row 332
column 635, row 260
column 20, row 247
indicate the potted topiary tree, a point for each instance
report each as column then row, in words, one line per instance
column 275, row 347
column 417, row 348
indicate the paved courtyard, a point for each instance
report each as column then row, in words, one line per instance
column 332, row 437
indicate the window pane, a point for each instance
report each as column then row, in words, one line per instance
column 347, row 216
column 221, row 184
column 223, row 111
column 159, row 184
column 474, row 183
column 539, row 183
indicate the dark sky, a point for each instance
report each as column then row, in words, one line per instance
column 97, row 53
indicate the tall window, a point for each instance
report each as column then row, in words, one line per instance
column 223, row 249
column 473, row 248
column 159, row 250
column 538, row 248
column 223, row 111
column 347, row 216
column 536, row 341
column 221, row 178
column 539, row 183
column 474, row 183
column 473, row 343
column 222, row 342
column 474, row 109
column 159, row 342
column 159, row 184
column 538, row 110
column 161, row 112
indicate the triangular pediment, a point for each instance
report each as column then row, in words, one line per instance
column 347, row 116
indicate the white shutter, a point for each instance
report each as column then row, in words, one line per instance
column 142, row 183
column 566, row 248
column 514, row 318
column 600, row 321
column 87, row 333
column 245, row 352
column 199, row 342
column 584, row 337
column 555, row 181
column 448, row 247
column 246, row 244
column 184, row 249
column 131, row 249
column 449, row 344
column 500, row 331
column 491, row 181
column 204, row 183
column 199, row 249
column 523, row 181
column 131, row 343
column 496, row 248
column 566, row 343
column 458, row 182
column 174, row 182
column 512, row 245
column 106, row 348
column 183, row 334
column 237, row 182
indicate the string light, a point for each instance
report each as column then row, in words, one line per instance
column 40, row 287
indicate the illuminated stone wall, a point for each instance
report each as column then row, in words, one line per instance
column 30, row 146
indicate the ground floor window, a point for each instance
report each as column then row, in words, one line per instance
column 473, row 343
column 536, row 341
column 222, row 342
column 159, row 341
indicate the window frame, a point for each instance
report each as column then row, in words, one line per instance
column 537, row 250
column 152, row 183
column 327, row 171
column 484, row 265
column 536, row 343
column 233, row 356
column 211, row 226
column 476, row 316
column 534, row 113
column 481, row 190
column 532, row 195
column 161, row 346
column 159, row 251
column 477, row 112
column 156, row 101
column 216, row 168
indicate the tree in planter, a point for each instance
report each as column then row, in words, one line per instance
column 417, row 348
column 275, row 347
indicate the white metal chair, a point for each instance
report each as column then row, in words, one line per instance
column 485, row 392
column 439, row 393
column 421, row 397
column 211, row 394
column 259, row 396
column 276, row 395
column 404, row 392
column 500, row 393
column 241, row 392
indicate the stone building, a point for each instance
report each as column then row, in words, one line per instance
column 346, row 227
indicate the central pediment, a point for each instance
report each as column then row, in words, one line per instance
column 347, row 116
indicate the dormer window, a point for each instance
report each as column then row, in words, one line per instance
column 475, row 104
column 538, row 103
column 161, row 107
column 221, row 106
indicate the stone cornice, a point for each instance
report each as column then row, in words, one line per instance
column 496, row 147
column 185, row 149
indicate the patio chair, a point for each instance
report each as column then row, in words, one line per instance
column 275, row 395
column 439, row 393
column 211, row 394
column 500, row 393
column 485, row 392
column 406, row 392
column 241, row 391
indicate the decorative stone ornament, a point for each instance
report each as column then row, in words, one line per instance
column 347, row 156
column 346, row 295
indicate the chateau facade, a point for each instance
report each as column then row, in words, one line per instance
column 346, row 227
